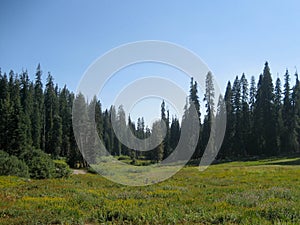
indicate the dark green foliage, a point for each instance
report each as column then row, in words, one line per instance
column 296, row 109
column 165, row 117
column 38, row 111
column 229, row 132
column 264, row 116
column 194, row 100
column 11, row 165
column 290, row 118
column 209, row 98
column 245, row 117
column 57, row 136
column 26, row 99
column 51, row 110
column 269, row 131
column 237, row 117
column 278, row 114
column 40, row 164
column 174, row 134
column 65, row 114
column 62, row 169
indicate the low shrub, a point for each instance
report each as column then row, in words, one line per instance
column 62, row 169
column 11, row 165
column 41, row 166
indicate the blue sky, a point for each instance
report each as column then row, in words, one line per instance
column 231, row 36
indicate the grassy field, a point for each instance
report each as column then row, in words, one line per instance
column 257, row 192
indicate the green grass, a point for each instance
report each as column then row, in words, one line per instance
column 255, row 192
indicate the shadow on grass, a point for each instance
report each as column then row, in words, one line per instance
column 295, row 162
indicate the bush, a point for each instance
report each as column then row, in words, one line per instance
column 40, row 164
column 11, row 165
column 62, row 169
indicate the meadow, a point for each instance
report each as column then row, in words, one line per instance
column 253, row 192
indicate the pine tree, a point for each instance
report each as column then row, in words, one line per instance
column 51, row 107
column 66, row 120
column 269, row 131
column 26, row 98
column 237, row 112
column 107, row 132
column 208, row 131
column 194, row 100
column 296, row 113
column 252, row 147
column 278, row 113
column 290, row 140
column 56, row 136
column 16, row 131
column 38, row 111
column 3, row 86
column 245, row 117
column 174, row 134
column 229, row 132
column 258, row 120
column 5, row 111
column 165, row 118
column 193, row 97
column 99, row 119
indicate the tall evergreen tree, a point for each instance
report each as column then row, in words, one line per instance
column 174, row 134
column 296, row 115
column 278, row 113
column 5, row 111
column 208, row 124
column 237, row 112
column 267, row 95
column 226, row 147
column 165, row 118
column 26, row 98
column 65, row 113
column 289, row 142
column 245, row 117
column 258, row 120
column 16, row 131
column 38, row 111
column 51, row 107
column 194, row 100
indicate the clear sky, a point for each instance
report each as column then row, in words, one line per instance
column 231, row 36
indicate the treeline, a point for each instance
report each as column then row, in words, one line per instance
column 262, row 120
column 36, row 117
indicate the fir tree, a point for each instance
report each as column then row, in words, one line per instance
column 278, row 114
column 289, row 140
